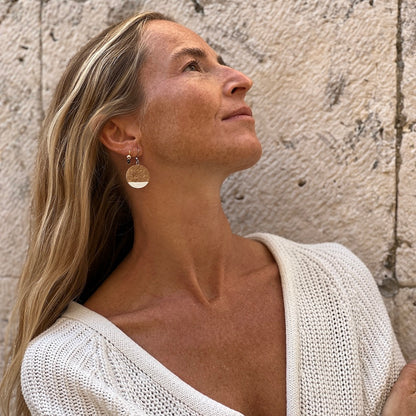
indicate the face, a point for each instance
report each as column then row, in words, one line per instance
column 194, row 112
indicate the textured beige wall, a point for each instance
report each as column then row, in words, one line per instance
column 335, row 110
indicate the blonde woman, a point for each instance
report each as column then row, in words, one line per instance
column 136, row 298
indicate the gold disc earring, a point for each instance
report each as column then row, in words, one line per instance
column 137, row 176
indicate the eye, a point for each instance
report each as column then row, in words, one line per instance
column 192, row 66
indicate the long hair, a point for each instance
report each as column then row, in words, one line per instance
column 81, row 226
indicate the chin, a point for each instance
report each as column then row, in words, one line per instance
column 247, row 156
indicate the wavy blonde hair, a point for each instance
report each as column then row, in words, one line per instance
column 81, row 226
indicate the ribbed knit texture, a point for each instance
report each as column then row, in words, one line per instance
column 342, row 356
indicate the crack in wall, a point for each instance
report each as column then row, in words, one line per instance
column 399, row 124
column 390, row 286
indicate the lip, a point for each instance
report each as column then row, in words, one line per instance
column 242, row 112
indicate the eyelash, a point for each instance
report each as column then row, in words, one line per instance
column 193, row 63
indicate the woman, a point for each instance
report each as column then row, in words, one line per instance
column 175, row 315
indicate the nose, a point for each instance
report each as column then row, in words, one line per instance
column 236, row 82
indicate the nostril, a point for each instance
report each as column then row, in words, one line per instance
column 233, row 90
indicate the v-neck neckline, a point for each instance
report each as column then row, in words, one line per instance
column 193, row 398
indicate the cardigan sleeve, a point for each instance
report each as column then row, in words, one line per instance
column 380, row 356
column 60, row 379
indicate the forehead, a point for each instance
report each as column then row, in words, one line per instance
column 165, row 38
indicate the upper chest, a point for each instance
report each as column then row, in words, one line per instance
column 232, row 351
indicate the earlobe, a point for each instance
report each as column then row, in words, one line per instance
column 120, row 134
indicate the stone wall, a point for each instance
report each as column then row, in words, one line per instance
column 334, row 106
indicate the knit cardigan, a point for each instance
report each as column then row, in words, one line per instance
column 342, row 356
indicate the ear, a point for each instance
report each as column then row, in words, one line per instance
column 121, row 134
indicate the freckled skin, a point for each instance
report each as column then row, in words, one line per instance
column 181, row 122
column 206, row 303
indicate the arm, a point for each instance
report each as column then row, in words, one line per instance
column 378, row 351
column 402, row 400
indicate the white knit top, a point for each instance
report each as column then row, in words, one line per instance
column 342, row 356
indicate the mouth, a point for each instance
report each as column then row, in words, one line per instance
column 241, row 113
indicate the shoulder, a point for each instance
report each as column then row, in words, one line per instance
column 336, row 303
column 58, row 343
column 329, row 267
column 57, row 351
column 62, row 367
column 328, row 277
column 327, row 258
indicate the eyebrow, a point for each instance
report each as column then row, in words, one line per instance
column 196, row 53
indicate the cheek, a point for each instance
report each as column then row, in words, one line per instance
column 181, row 120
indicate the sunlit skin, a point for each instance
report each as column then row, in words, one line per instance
column 190, row 96
column 402, row 400
column 205, row 302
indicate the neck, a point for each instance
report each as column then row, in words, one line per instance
column 183, row 240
